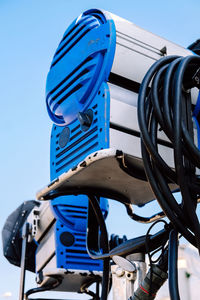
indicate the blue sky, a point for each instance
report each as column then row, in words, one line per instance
column 30, row 31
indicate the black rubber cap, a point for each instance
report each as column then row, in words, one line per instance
column 67, row 239
column 64, row 137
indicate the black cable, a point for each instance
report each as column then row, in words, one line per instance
column 172, row 265
column 162, row 201
column 164, row 104
column 141, row 219
column 97, row 291
column 148, row 250
column 167, row 98
column 155, row 91
column 84, row 289
column 161, row 179
column 178, row 157
column 104, row 245
column 95, row 251
column 146, row 220
column 43, row 288
column 150, row 175
column 142, row 107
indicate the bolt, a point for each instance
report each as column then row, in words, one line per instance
column 119, row 272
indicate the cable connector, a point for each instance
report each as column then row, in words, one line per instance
column 192, row 78
column 158, row 279
column 196, row 78
column 34, row 220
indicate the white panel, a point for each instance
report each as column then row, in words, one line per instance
column 130, row 64
column 131, row 145
column 45, row 249
column 125, row 115
column 123, row 95
column 137, row 49
column 125, row 142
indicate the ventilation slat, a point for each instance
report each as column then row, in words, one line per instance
column 76, row 251
column 75, row 211
column 83, row 64
column 75, row 135
column 54, row 106
column 63, row 206
column 78, row 38
column 78, row 217
column 75, row 128
column 81, row 146
column 78, row 156
column 72, row 137
column 71, row 257
column 68, row 32
column 81, row 240
column 73, row 36
column 84, row 137
column 79, row 75
column 69, row 84
column 77, row 87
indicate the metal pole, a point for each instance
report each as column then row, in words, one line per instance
column 25, row 234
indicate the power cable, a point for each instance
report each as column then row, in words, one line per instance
column 164, row 104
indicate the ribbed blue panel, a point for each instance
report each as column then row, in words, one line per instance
column 77, row 84
column 81, row 143
column 73, row 35
column 71, row 215
column 81, row 63
column 71, row 211
column 75, row 256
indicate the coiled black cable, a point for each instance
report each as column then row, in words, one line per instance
column 164, row 104
column 94, row 204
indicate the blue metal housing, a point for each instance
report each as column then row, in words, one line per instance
column 66, row 152
column 77, row 83
column 82, row 61
column 70, row 233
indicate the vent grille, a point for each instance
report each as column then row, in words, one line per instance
column 80, row 80
column 75, row 220
column 74, row 35
column 79, row 146
column 80, row 65
column 76, row 257
column 72, row 213
column 78, row 83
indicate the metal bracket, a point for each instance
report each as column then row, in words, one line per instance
column 123, row 277
column 35, row 219
column 127, row 273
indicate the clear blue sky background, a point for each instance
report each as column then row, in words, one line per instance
column 30, row 31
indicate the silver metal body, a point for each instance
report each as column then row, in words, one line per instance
column 136, row 50
column 127, row 274
column 46, row 264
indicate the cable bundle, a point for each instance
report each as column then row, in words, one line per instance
column 165, row 104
